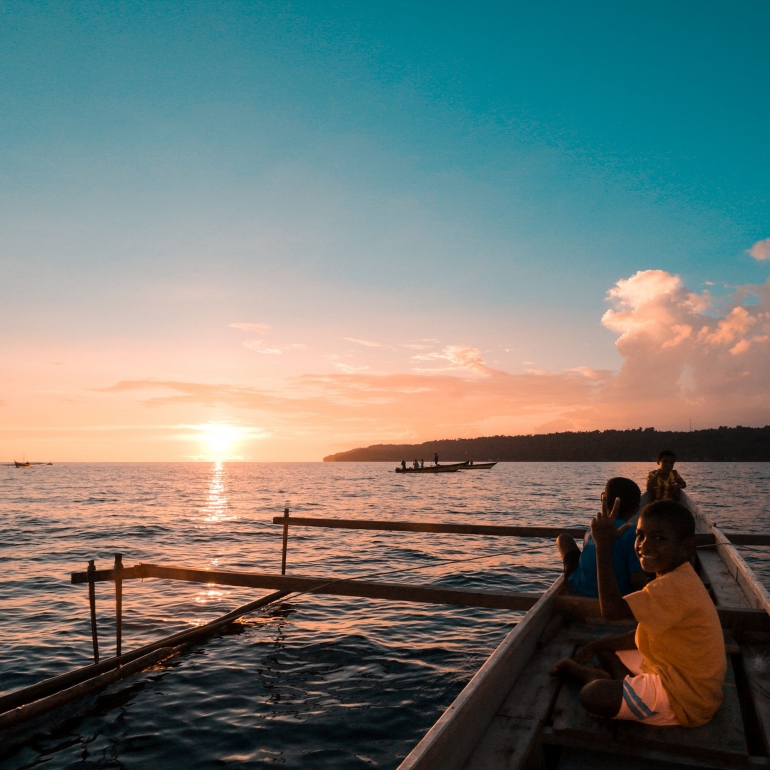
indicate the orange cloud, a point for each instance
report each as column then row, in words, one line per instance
column 684, row 355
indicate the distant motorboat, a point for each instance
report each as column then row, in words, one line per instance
column 448, row 468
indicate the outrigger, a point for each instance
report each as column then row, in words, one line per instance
column 512, row 715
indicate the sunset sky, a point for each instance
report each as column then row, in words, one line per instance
column 273, row 231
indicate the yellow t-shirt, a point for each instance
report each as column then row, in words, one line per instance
column 680, row 638
column 662, row 488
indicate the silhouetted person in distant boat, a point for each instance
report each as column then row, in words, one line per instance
column 435, row 458
column 403, row 465
column 416, row 465
column 422, row 463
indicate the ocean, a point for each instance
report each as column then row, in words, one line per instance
column 312, row 682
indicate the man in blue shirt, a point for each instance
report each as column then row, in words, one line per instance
column 580, row 568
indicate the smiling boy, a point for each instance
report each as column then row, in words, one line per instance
column 671, row 669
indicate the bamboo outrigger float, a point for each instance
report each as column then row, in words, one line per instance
column 511, row 715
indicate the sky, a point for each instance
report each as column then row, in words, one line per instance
column 274, row 231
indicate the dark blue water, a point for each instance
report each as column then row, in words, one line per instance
column 315, row 682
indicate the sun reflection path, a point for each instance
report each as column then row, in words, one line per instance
column 217, row 508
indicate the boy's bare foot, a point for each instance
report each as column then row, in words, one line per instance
column 582, row 674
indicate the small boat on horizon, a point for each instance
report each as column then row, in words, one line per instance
column 448, row 468
column 23, row 464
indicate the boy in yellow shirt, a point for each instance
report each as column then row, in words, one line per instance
column 671, row 669
column 665, row 483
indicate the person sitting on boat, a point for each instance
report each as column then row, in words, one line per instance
column 665, row 483
column 416, row 465
column 422, row 463
column 435, row 458
column 580, row 568
column 670, row 670
column 403, row 465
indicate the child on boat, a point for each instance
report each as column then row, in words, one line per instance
column 580, row 568
column 665, row 483
column 671, row 669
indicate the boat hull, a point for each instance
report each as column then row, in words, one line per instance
column 430, row 469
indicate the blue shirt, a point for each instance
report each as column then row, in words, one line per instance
column 584, row 582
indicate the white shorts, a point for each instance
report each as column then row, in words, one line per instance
column 644, row 697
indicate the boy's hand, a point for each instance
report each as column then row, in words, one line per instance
column 603, row 526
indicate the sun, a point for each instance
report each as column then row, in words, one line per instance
column 219, row 439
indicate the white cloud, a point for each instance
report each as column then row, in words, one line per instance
column 258, row 346
column 251, row 327
column 761, row 250
column 459, row 357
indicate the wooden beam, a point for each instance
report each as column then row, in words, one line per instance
column 329, row 584
column 38, row 707
column 430, row 526
column 735, row 538
column 404, row 592
column 17, row 698
column 578, row 607
column 102, row 575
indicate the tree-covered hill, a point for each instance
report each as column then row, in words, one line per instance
column 714, row 445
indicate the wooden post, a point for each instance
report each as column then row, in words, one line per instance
column 285, row 539
column 92, row 602
column 118, row 602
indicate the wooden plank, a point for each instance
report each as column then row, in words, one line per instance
column 535, row 691
column 31, row 710
column 103, row 575
column 461, row 597
column 509, row 741
column 432, row 526
column 723, row 585
column 49, row 686
column 722, row 737
column 578, row 607
column 706, row 538
column 756, row 663
column 755, row 592
column 450, row 741
column 506, row 745
column 572, row 721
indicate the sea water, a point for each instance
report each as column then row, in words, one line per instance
column 312, row 682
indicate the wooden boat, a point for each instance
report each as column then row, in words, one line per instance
column 513, row 716
column 25, row 464
column 431, row 469
column 471, row 466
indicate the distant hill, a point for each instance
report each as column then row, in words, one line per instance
column 641, row 445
